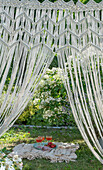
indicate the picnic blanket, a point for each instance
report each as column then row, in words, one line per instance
column 63, row 152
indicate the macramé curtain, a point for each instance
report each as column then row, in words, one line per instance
column 31, row 33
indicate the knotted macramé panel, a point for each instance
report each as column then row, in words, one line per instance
column 56, row 25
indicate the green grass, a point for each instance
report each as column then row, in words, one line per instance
column 85, row 160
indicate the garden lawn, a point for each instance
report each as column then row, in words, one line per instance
column 85, row 160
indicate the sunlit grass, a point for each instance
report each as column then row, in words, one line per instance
column 85, row 160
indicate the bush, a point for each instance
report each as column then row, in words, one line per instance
column 50, row 105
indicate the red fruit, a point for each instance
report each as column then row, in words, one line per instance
column 50, row 143
column 53, row 146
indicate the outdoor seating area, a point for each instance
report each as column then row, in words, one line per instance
column 17, row 136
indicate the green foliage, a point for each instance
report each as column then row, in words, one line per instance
column 83, row 1
column 50, row 105
column 54, row 63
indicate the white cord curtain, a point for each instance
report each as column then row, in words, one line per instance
column 82, row 79
column 24, row 59
column 31, row 33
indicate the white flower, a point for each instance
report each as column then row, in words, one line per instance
column 47, row 101
column 42, row 82
column 59, row 99
column 48, row 80
column 45, row 94
column 46, row 76
column 16, row 158
column 56, row 76
column 42, row 102
column 55, row 109
column 2, row 167
column 8, row 164
column 48, row 70
column 51, row 82
column 51, row 98
column 36, row 101
column 60, row 108
column 2, row 155
column 49, row 93
column 11, row 168
column 8, row 161
column 40, row 106
column 54, row 69
column 48, row 113
column 20, row 165
column 60, row 70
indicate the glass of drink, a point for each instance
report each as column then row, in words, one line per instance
column 48, row 138
column 38, row 139
column 41, row 137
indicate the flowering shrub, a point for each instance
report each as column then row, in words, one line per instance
column 50, row 105
column 8, row 163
